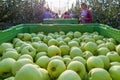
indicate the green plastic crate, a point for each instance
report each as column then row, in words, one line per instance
column 9, row 34
column 61, row 21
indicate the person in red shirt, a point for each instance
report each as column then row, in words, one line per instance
column 85, row 14
column 66, row 15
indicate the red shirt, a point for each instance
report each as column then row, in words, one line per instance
column 66, row 16
column 88, row 17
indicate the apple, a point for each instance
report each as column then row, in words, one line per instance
column 73, row 44
column 99, row 74
column 28, row 50
column 69, row 75
column 10, row 78
column 5, row 46
column 70, row 34
column 76, row 39
column 35, row 39
column 87, row 54
column 33, row 34
column 20, row 63
column 75, row 51
column 56, row 57
column 41, row 36
column 67, row 39
column 45, row 75
column 114, row 64
column 61, row 33
column 42, row 47
column 20, row 35
column 43, row 61
column 82, row 44
column 28, row 72
column 60, row 43
column 11, row 54
column 80, row 59
column 53, row 51
column 118, row 49
column 67, row 60
column 103, row 51
column 55, row 68
column 59, row 39
column 91, row 46
column 78, row 67
column 100, row 42
column 112, row 40
column 77, row 34
column 114, row 72
column 46, row 39
column 110, row 46
column 94, row 62
column 102, row 45
column 26, row 56
column 39, row 54
column 26, row 37
column 65, row 49
column 6, row 67
column 52, row 42
column 113, row 56
column 105, row 60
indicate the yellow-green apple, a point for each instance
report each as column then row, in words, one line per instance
column 118, row 49
column 39, row 54
column 80, row 59
column 60, row 43
column 46, row 39
column 105, row 60
column 114, row 64
column 70, row 34
column 6, row 67
column 78, row 67
column 73, row 43
column 41, row 36
column 102, row 51
column 113, row 56
column 35, row 39
column 53, row 51
column 43, row 61
column 67, row 39
column 94, row 62
column 100, row 42
column 10, row 78
column 99, row 74
column 26, row 56
column 65, row 49
column 69, row 75
column 75, row 51
column 110, row 46
column 29, row 72
column 114, row 72
column 26, row 37
column 61, row 33
column 20, row 63
column 67, row 60
column 87, row 54
column 102, row 45
column 77, row 34
column 56, row 57
column 55, row 68
column 52, row 42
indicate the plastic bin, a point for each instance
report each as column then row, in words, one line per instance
column 61, row 21
column 9, row 34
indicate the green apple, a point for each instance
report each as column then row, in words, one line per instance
column 103, row 51
column 28, row 50
column 55, row 68
column 6, row 67
column 15, row 40
column 46, row 39
column 41, row 36
column 42, row 47
column 20, row 63
column 105, row 60
column 10, row 78
column 113, row 56
column 77, row 34
column 70, row 34
column 26, row 37
column 100, row 42
column 43, row 61
column 66, row 56
column 87, row 54
column 112, row 40
column 114, row 64
column 118, row 49
column 28, row 72
column 45, row 75
column 61, row 33
column 102, row 45
column 82, row 44
column 33, row 34
column 80, row 59
column 52, row 42
column 11, row 54
column 35, row 39
column 5, row 46
column 39, row 54
column 110, row 46
column 59, row 39
column 99, row 74
column 94, row 62
column 56, row 57
column 91, row 46
column 67, row 60
column 73, row 44
column 114, row 72
column 75, row 51
column 60, row 43
column 69, row 75
column 67, row 39
column 26, row 56
column 65, row 49
column 78, row 67
column 53, row 51
column 20, row 35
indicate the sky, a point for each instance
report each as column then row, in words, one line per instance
column 60, row 5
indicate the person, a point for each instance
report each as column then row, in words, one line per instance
column 72, row 15
column 85, row 14
column 47, row 14
column 66, row 15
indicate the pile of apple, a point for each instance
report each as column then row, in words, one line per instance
column 60, row 56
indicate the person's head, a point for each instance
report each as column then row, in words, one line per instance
column 84, row 6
